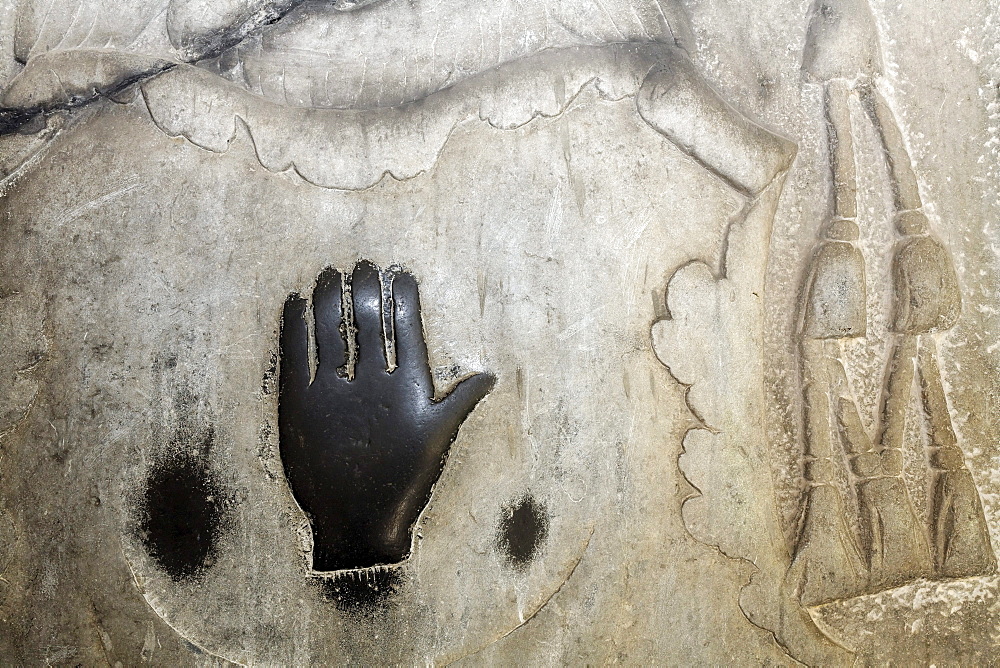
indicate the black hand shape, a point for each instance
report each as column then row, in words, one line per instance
column 362, row 455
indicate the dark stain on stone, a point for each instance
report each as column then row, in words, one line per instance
column 361, row 591
column 182, row 515
column 524, row 526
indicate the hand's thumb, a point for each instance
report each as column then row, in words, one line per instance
column 459, row 403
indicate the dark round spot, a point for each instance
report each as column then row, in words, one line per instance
column 182, row 515
column 523, row 528
column 363, row 591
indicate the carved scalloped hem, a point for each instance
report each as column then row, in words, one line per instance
column 350, row 149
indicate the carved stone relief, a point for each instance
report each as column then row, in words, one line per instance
column 575, row 331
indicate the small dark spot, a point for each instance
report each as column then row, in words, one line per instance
column 191, row 647
column 101, row 349
column 523, row 529
column 765, row 87
column 170, row 362
column 364, row 591
column 182, row 515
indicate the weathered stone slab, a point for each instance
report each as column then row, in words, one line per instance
column 569, row 332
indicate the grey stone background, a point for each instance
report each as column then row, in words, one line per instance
column 143, row 277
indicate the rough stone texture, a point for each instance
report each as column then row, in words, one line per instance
column 733, row 268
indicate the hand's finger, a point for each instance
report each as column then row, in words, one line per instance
column 366, row 292
column 455, row 407
column 411, row 350
column 330, row 346
column 294, row 341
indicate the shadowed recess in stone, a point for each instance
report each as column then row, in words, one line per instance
column 363, row 439
column 361, row 591
column 182, row 515
column 524, row 526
